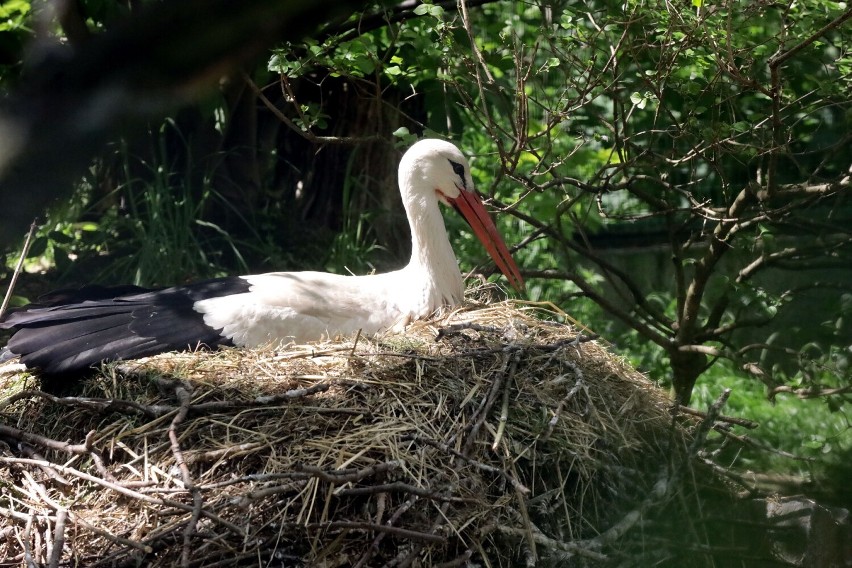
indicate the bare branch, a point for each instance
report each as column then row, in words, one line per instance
column 810, row 392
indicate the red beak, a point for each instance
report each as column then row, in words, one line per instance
column 470, row 206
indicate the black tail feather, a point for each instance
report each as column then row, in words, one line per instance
column 96, row 326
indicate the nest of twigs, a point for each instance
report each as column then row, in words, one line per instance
column 490, row 436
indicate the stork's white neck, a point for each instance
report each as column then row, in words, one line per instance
column 433, row 267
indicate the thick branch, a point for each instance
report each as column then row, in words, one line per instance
column 717, row 248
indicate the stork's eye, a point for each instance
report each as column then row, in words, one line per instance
column 459, row 170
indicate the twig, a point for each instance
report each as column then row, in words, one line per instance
column 228, row 452
column 160, row 410
column 747, row 441
column 184, row 396
column 482, row 412
column 381, row 505
column 395, row 531
column 374, row 546
column 504, row 416
column 346, row 475
column 30, row 438
column 474, row 47
column 125, row 491
column 355, row 343
column 264, row 492
column 402, row 488
column 99, row 404
column 461, row 560
column 809, row 392
column 780, row 58
column 19, row 516
column 30, row 452
column 706, row 425
column 477, row 464
column 310, row 353
column 272, row 399
column 18, row 267
column 302, row 472
column 458, row 328
column 58, row 538
column 86, row 447
column 416, row 547
column 543, row 347
column 553, row 544
column 744, row 422
column 551, row 424
column 28, row 553
column 77, row 520
column 663, row 487
column 307, row 134
column 255, row 478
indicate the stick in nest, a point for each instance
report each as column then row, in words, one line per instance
column 18, row 268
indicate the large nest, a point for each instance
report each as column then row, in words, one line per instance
column 490, row 435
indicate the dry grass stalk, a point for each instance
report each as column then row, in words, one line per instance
column 497, row 441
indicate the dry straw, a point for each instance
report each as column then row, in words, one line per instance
column 491, row 435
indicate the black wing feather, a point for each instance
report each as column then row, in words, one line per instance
column 72, row 330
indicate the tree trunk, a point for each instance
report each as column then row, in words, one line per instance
column 686, row 368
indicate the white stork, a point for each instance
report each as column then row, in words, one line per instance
column 103, row 324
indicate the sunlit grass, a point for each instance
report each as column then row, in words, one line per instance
column 809, row 429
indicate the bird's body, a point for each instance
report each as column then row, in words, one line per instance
column 276, row 307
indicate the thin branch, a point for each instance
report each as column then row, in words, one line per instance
column 124, row 490
column 58, row 538
column 184, row 396
column 809, row 392
column 517, row 485
column 507, row 370
column 391, row 530
column 401, row 487
column 744, row 422
column 18, row 268
column 782, row 57
column 338, row 476
column 303, row 132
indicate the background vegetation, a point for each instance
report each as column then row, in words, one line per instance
column 674, row 176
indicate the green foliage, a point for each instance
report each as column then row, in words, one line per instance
column 715, row 133
column 594, row 116
column 352, row 248
column 13, row 15
column 162, row 226
column 807, row 438
column 153, row 228
column 15, row 28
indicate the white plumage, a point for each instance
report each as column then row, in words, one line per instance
column 277, row 307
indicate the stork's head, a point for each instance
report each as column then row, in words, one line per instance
column 437, row 166
column 433, row 169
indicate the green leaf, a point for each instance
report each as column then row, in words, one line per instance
column 406, row 138
column 60, row 237
column 18, row 301
column 431, row 9
column 38, row 247
column 436, row 11
column 742, row 126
